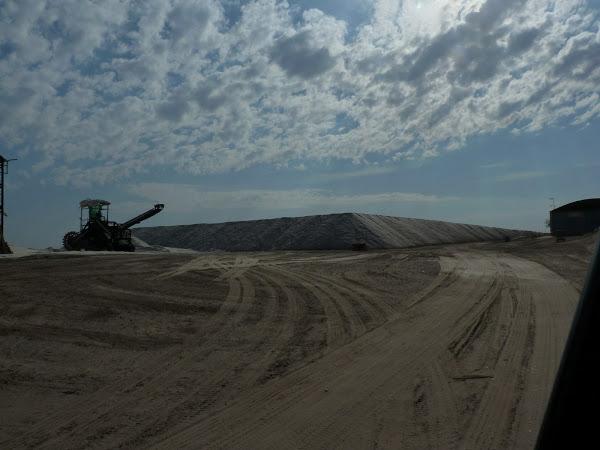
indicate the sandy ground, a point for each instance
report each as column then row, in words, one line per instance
column 434, row 347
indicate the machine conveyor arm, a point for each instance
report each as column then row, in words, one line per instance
column 145, row 215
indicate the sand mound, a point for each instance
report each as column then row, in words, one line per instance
column 323, row 232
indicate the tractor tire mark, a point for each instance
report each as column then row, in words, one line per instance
column 148, row 375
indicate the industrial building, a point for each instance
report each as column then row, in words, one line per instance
column 576, row 218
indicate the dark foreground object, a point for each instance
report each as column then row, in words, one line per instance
column 570, row 420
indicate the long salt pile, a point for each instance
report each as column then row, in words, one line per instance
column 322, row 232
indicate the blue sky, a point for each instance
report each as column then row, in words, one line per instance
column 473, row 111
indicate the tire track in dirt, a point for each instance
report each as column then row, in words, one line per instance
column 443, row 414
column 237, row 367
column 354, row 313
column 375, row 350
column 290, row 294
column 474, row 347
column 297, row 336
column 503, row 361
column 151, row 372
column 553, row 299
column 469, row 328
column 144, row 382
column 371, row 311
column 337, row 322
column 196, row 349
column 317, row 410
column 198, row 264
column 360, row 280
column 332, row 299
column 469, row 363
column 237, row 371
column 435, row 409
column 275, row 349
column 494, row 411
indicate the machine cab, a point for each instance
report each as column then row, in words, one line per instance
column 97, row 210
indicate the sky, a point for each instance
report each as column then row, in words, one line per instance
column 473, row 111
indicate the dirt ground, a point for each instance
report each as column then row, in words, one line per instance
column 434, row 347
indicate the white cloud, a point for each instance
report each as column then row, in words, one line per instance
column 525, row 175
column 98, row 91
column 185, row 197
column 497, row 165
column 359, row 173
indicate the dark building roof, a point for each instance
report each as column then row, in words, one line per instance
column 588, row 203
column 2, row 159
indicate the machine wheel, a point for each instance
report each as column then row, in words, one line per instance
column 128, row 247
column 70, row 240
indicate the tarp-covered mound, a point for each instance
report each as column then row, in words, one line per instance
column 323, row 232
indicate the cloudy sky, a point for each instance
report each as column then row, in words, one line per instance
column 473, row 111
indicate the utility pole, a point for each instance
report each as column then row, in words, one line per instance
column 4, row 248
column 552, row 208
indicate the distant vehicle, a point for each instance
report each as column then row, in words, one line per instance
column 98, row 233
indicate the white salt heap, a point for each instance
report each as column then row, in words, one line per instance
column 323, row 232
